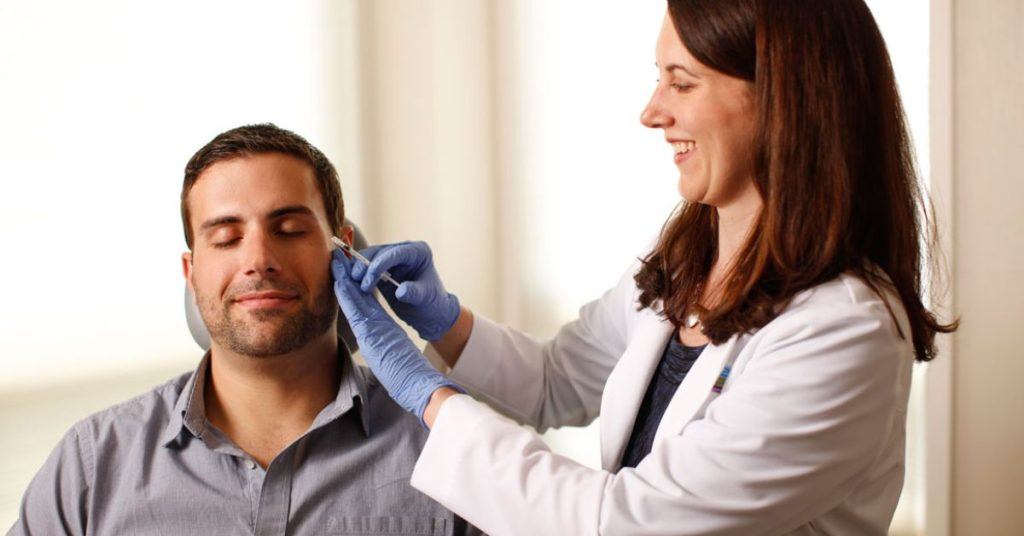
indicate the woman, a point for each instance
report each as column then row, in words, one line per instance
column 752, row 370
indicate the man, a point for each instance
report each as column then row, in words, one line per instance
column 276, row 431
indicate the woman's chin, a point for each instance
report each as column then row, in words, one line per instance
column 689, row 191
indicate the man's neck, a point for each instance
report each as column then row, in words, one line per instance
column 264, row 404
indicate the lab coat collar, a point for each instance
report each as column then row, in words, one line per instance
column 625, row 388
column 697, row 389
column 626, row 385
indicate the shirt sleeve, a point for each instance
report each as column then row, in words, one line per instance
column 57, row 500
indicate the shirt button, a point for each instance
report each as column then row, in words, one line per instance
column 251, row 465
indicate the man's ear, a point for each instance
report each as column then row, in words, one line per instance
column 347, row 234
column 186, row 269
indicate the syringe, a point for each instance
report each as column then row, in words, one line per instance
column 356, row 255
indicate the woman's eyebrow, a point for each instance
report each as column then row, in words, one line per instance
column 674, row 66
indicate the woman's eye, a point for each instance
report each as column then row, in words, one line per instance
column 682, row 88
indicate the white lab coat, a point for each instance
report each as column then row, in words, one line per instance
column 806, row 437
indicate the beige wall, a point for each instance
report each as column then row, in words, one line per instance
column 988, row 278
column 425, row 137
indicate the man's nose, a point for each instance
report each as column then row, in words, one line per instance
column 260, row 256
column 654, row 115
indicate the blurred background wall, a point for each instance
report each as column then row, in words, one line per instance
column 505, row 134
column 988, row 266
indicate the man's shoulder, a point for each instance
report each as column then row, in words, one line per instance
column 149, row 411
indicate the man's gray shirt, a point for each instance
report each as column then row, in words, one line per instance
column 155, row 465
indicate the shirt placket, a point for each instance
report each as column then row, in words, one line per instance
column 273, row 495
column 254, row 476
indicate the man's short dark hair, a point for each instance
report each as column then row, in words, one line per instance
column 259, row 139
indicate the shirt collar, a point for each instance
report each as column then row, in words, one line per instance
column 189, row 412
column 351, row 393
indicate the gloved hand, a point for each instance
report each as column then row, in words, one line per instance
column 421, row 300
column 401, row 368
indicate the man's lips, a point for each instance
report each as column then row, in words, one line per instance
column 266, row 298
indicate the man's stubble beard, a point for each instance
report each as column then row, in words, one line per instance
column 246, row 332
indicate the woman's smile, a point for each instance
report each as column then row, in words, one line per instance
column 683, row 149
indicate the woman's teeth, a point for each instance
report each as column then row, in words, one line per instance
column 683, row 147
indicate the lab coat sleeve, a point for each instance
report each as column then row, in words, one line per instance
column 782, row 445
column 554, row 383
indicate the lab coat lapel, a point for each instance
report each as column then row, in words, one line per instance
column 626, row 385
column 696, row 389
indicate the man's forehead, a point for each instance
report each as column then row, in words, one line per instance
column 254, row 186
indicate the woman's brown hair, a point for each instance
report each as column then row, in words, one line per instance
column 832, row 163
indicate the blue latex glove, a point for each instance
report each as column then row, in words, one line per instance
column 421, row 300
column 401, row 368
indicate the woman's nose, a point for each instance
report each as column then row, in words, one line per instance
column 654, row 114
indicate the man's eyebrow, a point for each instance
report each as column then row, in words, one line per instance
column 289, row 211
column 274, row 214
column 218, row 221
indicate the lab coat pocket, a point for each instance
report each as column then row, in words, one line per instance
column 392, row 525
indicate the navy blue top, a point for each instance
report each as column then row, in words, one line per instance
column 675, row 363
